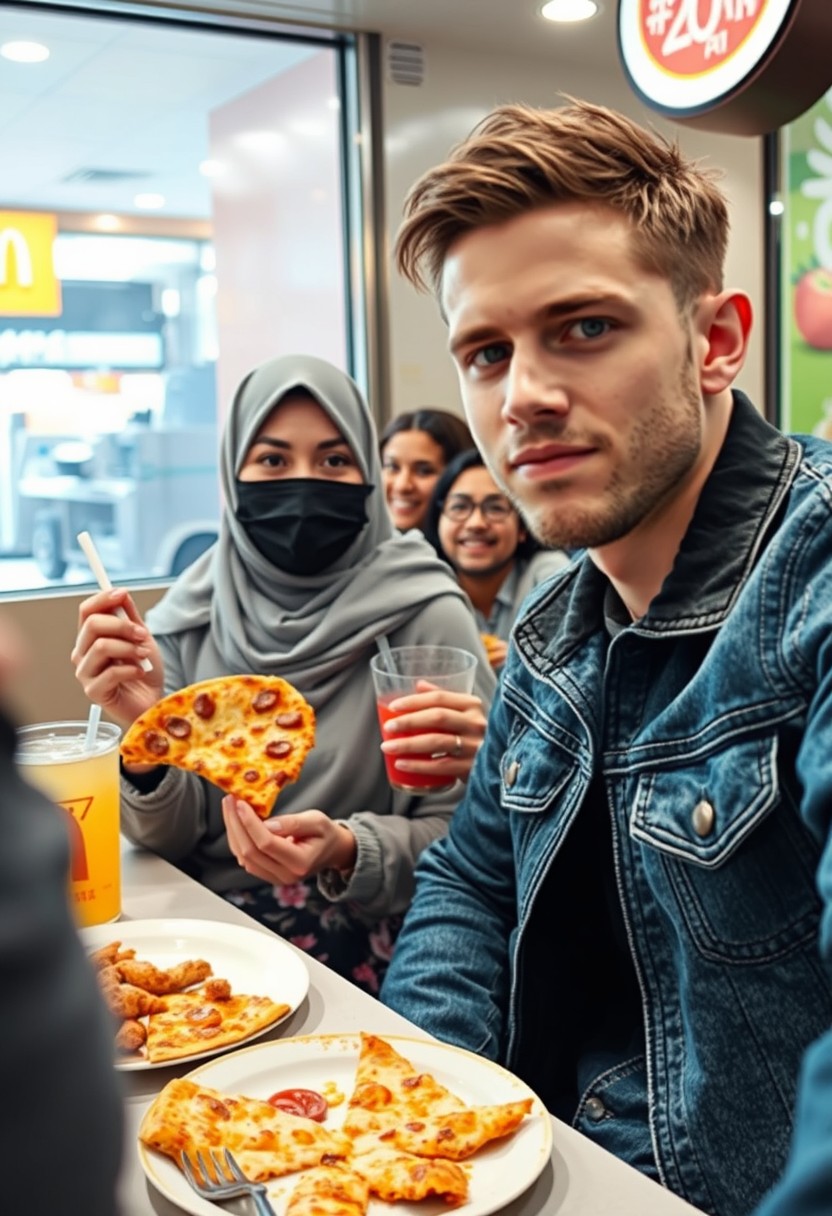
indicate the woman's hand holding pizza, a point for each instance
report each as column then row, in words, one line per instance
column 287, row 848
column 107, row 656
column 447, row 726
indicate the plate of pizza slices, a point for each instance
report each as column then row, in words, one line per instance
column 434, row 1093
column 188, row 989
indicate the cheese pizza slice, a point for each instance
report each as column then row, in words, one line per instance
column 249, row 735
column 329, row 1190
column 205, row 1019
column 460, row 1133
column 267, row 1142
column 389, row 1087
column 395, row 1176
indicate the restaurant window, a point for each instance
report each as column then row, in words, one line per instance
column 173, row 210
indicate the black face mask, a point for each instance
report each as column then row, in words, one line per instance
column 303, row 524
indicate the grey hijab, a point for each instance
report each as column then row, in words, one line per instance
column 311, row 630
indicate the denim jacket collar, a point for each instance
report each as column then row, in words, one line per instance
column 738, row 504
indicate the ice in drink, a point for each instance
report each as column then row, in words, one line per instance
column 84, row 782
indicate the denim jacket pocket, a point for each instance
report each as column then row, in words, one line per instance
column 728, row 849
column 534, row 773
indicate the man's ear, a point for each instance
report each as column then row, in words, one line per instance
column 723, row 325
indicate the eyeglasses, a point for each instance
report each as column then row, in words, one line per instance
column 460, row 507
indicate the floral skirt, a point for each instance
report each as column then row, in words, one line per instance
column 333, row 933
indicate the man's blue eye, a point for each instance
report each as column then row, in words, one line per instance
column 490, row 354
column 593, row 327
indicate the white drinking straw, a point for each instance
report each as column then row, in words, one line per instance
column 92, row 727
column 102, row 578
column 387, row 653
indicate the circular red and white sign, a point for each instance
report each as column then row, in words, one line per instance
column 685, row 56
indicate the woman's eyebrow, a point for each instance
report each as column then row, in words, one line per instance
column 324, row 445
column 273, row 443
column 332, row 443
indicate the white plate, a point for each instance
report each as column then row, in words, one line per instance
column 254, row 963
column 498, row 1173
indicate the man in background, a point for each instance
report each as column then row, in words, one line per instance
column 60, row 1107
column 625, row 911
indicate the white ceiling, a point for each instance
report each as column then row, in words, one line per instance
column 117, row 95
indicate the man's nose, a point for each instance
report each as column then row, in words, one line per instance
column 533, row 391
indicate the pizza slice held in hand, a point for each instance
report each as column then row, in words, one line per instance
column 249, row 735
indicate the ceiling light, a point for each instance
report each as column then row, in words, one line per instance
column 24, row 52
column 149, row 202
column 569, row 10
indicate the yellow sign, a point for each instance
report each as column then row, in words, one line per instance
column 28, row 284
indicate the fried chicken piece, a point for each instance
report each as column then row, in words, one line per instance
column 159, row 982
column 125, row 1000
column 217, row 990
column 131, row 1036
column 109, row 979
column 107, row 955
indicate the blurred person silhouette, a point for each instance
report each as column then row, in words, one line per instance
column 62, row 1119
column 307, row 572
column 415, row 447
column 479, row 533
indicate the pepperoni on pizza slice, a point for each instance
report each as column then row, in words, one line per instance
column 249, row 735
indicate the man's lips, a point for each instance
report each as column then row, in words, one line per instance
column 549, row 459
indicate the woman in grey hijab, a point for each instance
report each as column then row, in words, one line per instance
column 307, row 572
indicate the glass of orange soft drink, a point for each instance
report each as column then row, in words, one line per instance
column 403, row 670
column 84, row 781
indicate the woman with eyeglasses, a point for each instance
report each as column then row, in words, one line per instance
column 474, row 527
column 415, row 448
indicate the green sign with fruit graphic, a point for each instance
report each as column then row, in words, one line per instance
column 806, row 303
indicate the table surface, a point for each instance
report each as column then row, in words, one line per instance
column 580, row 1180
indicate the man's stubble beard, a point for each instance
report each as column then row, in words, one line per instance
column 663, row 448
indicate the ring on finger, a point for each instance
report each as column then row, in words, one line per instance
column 457, row 747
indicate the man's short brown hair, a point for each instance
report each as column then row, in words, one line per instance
column 520, row 158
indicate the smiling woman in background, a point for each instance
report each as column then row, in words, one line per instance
column 415, row 448
column 476, row 530
column 308, row 571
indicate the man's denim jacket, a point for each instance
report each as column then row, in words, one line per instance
column 710, row 722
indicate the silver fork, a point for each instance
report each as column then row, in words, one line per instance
column 207, row 1185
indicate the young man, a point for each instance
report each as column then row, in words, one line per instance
column 625, row 911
